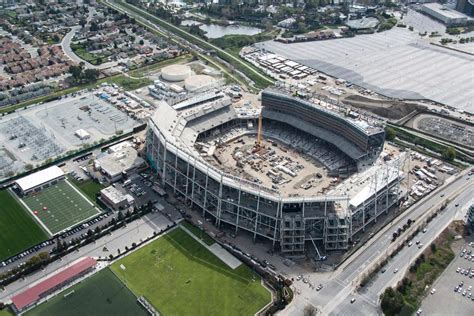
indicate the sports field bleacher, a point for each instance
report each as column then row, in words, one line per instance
column 321, row 151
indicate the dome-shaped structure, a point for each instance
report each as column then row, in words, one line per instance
column 176, row 72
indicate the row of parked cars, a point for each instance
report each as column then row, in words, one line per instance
column 464, row 291
column 83, row 226
column 467, row 254
column 26, row 253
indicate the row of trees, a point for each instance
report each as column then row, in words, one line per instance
column 448, row 153
column 82, row 75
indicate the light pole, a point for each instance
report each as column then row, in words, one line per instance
column 201, row 227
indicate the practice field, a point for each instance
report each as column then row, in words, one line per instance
column 60, row 206
column 18, row 230
column 180, row 277
column 101, row 294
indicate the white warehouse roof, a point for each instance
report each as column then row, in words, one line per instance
column 40, row 177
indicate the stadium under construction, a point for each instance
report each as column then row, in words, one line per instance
column 300, row 172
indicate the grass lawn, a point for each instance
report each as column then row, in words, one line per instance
column 199, row 233
column 101, row 294
column 128, row 83
column 65, row 207
column 80, row 51
column 181, row 277
column 89, row 187
column 139, row 72
column 18, row 230
column 6, row 312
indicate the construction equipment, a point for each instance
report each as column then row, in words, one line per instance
column 259, row 131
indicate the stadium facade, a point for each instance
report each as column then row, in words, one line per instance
column 175, row 146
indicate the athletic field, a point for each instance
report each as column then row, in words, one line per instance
column 60, row 206
column 101, row 294
column 181, row 277
column 18, row 230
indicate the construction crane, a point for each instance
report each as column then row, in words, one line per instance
column 259, row 131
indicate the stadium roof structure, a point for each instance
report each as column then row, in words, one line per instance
column 35, row 292
column 369, row 190
column 40, row 177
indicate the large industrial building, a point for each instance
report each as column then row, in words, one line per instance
column 444, row 14
column 309, row 178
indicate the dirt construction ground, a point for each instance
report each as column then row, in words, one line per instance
column 393, row 110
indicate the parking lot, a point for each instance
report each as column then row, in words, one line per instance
column 140, row 187
column 454, row 289
column 38, row 133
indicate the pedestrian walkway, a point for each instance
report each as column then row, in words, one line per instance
column 218, row 251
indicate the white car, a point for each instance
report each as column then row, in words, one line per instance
column 418, row 312
column 433, row 291
column 458, row 269
column 395, row 271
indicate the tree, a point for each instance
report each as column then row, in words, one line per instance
column 76, row 72
column 83, row 22
column 391, row 302
column 449, row 153
column 433, row 247
column 90, row 75
column 94, row 26
column 141, row 42
column 390, row 134
column 310, row 310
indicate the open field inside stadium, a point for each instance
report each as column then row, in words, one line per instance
column 181, row 277
column 101, row 294
column 60, row 206
column 18, row 230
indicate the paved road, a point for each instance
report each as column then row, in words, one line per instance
column 367, row 301
column 343, row 281
column 66, row 46
column 178, row 30
column 134, row 232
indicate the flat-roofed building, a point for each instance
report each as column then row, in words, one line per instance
column 39, row 291
column 116, row 199
column 446, row 15
column 119, row 160
column 40, row 180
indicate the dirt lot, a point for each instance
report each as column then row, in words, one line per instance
column 258, row 165
column 393, row 110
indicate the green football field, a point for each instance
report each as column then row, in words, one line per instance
column 180, row 277
column 60, row 206
column 18, row 230
column 100, row 295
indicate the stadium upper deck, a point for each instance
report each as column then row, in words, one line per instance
column 356, row 138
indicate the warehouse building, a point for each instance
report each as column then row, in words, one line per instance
column 448, row 16
column 40, row 180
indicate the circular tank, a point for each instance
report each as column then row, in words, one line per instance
column 176, row 72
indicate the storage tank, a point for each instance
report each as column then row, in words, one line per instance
column 175, row 72
column 199, row 82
